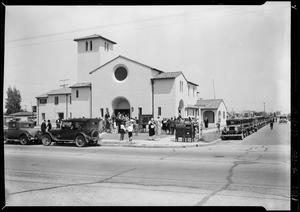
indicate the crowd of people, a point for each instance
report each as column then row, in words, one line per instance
column 123, row 124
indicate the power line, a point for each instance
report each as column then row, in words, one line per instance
column 140, row 28
column 103, row 26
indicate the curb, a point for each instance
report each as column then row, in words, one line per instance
column 183, row 145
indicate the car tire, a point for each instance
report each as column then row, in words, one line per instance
column 80, row 141
column 24, row 140
column 46, row 140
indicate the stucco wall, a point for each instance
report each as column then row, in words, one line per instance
column 187, row 99
column 164, row 94
column 51, row 110
column 81, row 105
column 136, row 88
column 91, row 59
column 223, row 109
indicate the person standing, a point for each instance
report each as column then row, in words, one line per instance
column 49, row 126
column 58, row 123
column 130, row 130
column 158, row 128
column 172, row 126
column 43, row 126
column 151, row 127
column 218, row 126
column 206, row 122
column 122, row 131
column 137, row 126
column 271, row 123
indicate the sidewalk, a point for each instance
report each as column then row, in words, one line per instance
column 168, row 141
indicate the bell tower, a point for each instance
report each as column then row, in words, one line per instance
column 92, row 52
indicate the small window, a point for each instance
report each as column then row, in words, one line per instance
column 91, row 45
column 159, row 111
column 86, row 46
column 56, row 100
column 77, row 93
column 43, row 116
column 43, row 101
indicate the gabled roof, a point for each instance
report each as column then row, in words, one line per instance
column 167, row 75
column 171, row 75
column 81, row 84
column 44, row 95
column 120, row 56
column 209, row 103
column 94, row 37
column 65, row 90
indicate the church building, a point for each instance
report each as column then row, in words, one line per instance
column 116, row 85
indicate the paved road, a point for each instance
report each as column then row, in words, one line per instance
column 250, row 172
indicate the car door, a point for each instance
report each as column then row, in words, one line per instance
column 13, row 131
column 68, row 132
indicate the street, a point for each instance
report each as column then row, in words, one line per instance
column 250, row 172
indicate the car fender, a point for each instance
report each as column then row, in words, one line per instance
column 51, row 136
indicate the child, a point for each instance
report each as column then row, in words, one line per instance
column 122, row 131
column 130, row 129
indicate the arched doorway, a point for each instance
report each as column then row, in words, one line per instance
column 210, row 116
column 121, row 105
column 180, row 108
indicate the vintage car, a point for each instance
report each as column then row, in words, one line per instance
column 237, row 128
column 22, row 131
column 282, row 120
column 82, row 131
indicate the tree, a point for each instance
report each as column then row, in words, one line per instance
column 13, row 100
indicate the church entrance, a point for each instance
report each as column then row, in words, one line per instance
column 121, row 105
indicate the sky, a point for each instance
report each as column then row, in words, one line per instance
column 240, row 54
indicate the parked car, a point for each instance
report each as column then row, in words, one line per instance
column 22, row 131
column 82, row 131
column 282, row 120
column 237, row 128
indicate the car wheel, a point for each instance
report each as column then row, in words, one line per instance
column 24, row 140
column 80, row 141
column 46, row 140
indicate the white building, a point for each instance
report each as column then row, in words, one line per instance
column 120, row 85
column 213, row 109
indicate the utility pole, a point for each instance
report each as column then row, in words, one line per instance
column 64, row 80
column 214, row 88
